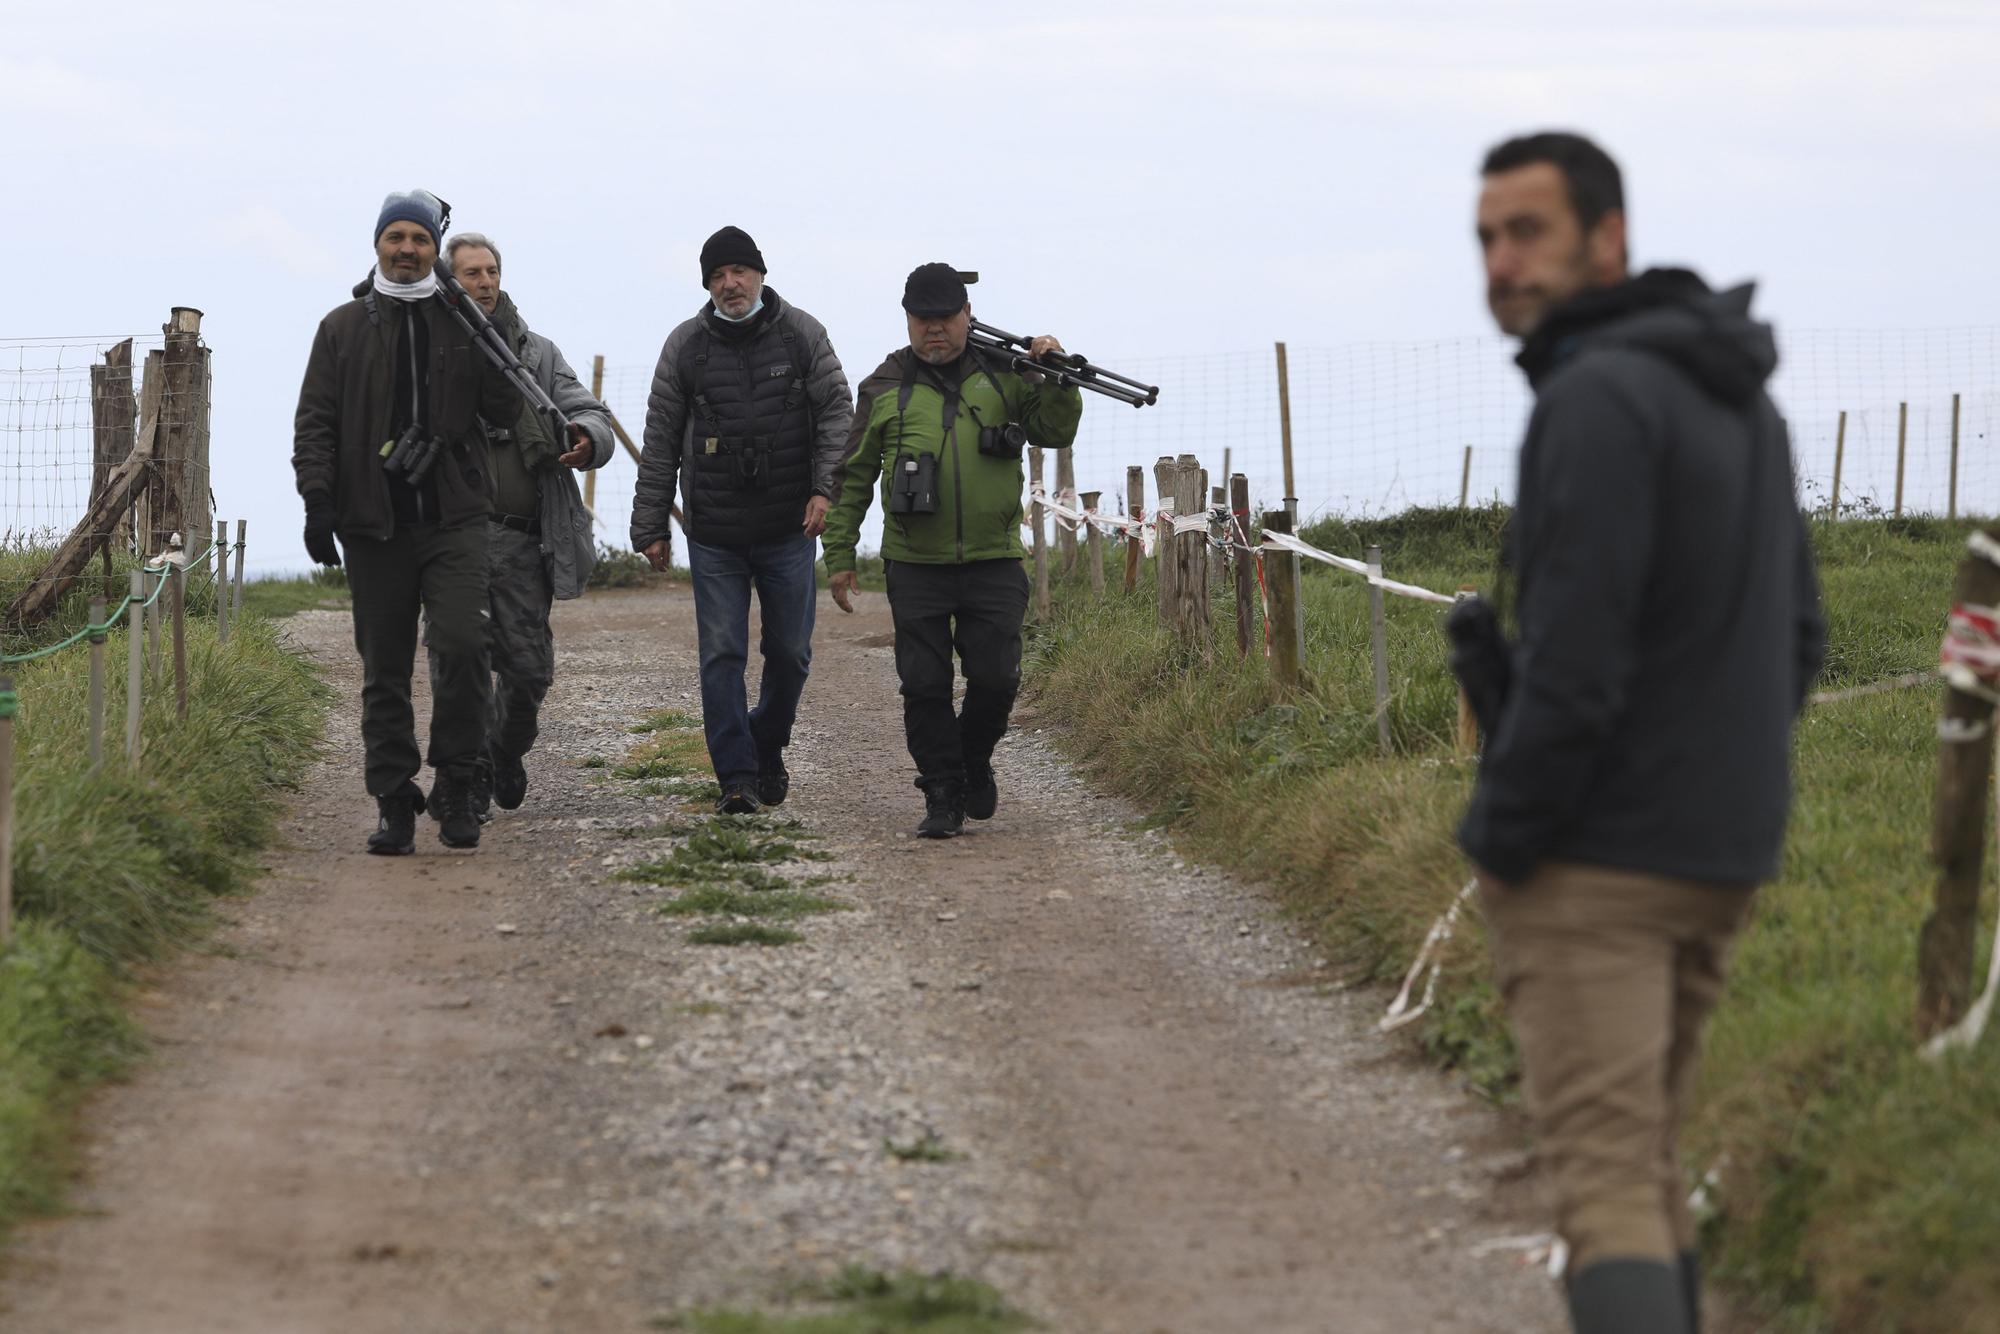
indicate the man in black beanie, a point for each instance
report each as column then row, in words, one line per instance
column 390, row 368
column 748, row 413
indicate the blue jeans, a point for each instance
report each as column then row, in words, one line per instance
column 782, row 574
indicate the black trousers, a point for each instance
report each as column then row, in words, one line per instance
column 440, row 572
column 976, row 608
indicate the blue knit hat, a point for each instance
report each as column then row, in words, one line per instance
column 418, row 206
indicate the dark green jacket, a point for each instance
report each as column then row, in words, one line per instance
column 902, row 409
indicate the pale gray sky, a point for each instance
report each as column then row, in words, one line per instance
column 1154, row 182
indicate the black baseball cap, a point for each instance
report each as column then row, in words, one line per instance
column 936, row 289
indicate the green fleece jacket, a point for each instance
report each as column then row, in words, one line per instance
column 908, row 407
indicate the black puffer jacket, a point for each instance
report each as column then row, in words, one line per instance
column 751, row 420
column 1669, row 612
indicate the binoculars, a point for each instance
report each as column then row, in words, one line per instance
column 411, row 456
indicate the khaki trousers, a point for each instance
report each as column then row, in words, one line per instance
column 1608, row 976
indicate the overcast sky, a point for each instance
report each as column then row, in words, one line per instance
column 1148, row 181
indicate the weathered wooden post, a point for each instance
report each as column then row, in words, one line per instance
column 1065, row 494
column 1241, row 558
column 236, row 590
column 596, row 392
column 1135, row 506
column 177, row 594
column 1190, row 553
column 222, row 581
column 135, row 652
column 1468, row 723
column 179, row 490
column 1093, row 544
column 1839, row 458
column 1285, row 623
column 1218, row 500
column 114, row 419
column 1163, row 535
column 1041, row 537
column 8, row 705
column 1902, row 446
column 1951, row 503
column 1285, row 436
column 1958, row 813
column 1378, row 645
column 96, row 683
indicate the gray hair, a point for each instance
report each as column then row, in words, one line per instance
column 463, row 239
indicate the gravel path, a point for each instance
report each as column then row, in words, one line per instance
column 499, row 1091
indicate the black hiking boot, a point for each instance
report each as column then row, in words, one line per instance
column 455, row 806
column 482, row 792
column 738, row 799
column 510, row 781
column 982, row 794
column 944, row 807
column 774, row 781
column 396, row 822
column 1628, row 1297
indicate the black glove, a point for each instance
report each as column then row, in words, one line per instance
column 1480, row 659
column 319, row 529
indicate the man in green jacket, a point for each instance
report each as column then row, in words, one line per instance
column 940, row 427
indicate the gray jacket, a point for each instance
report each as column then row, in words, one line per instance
column 568, row 543
column 670, row 422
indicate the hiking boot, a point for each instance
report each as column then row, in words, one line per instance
column 774, row 782
column 738, row 800
column 982, row 794
column 944, row 808
column 396, row 822
column 510, row 781
column 482, row 792
column 455, row 806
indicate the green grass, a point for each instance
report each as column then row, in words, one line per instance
column 121, row 867
column 309, row 592
column 620, row 568
column 929, row 1149
column 862, row 1301
column 743, row 933
column 723, row 900
column 1859, row 1185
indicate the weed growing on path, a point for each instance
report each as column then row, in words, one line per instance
column 742, row 933
column 863, row 1301
column 929, row 1149
column 762, row 901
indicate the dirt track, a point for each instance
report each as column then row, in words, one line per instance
column 374, row 1110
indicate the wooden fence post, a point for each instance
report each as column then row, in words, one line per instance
column 1163, row 535
column 1284, row 621
column 8, row 705
column 1065, row 493
column 1246, row 575
column 1093, row 544
column 154, row 618
column 1951, row 503
column 1190, row 554
column 1902, row 444
column 1468, row 723
column 1378, row 646
column 1285, row 435
column 1135, row 505
column 1218, row 499
column 96, row 684
column 236, row 591
column 1839, row 458
column 1465, row 479
column 222, row 581
column 1041, row 537
column 135, row 653
column 178, row 596
column 1958, row 826
column 114, row 420
column 179, row 490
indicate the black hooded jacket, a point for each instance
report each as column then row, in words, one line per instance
column 1669, row 612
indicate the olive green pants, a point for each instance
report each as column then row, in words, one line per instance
column 1608, row 977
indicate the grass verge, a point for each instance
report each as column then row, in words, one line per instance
column 863, row 1301
column 275, row 598
column 1858, row 1184
column 122, row 866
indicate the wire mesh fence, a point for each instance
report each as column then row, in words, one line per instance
column 1382, row 426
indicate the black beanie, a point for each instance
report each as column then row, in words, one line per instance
column 731, row 245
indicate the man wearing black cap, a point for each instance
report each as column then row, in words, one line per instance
column 392, row 367
column 749, row 413
column 941, row 425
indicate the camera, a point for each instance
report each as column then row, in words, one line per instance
column 913, row 487
column 1004, row 441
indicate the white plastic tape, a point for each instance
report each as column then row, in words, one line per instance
column 1400, row 1010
